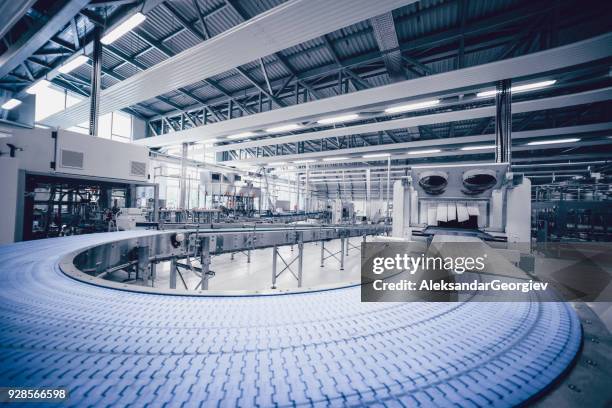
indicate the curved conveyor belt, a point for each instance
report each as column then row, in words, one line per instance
column 114, row 348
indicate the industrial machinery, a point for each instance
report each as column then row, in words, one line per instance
column 52, row 183
column 572, row 210
column 485, row 200
column 230, row 194
column 127, row 218
column 343, row 212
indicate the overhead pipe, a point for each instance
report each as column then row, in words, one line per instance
column 503, row 122
column 96, row 74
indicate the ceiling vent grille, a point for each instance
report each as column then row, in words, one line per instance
column 138, row 168
column 72, row 159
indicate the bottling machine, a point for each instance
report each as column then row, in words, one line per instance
column 483, row 200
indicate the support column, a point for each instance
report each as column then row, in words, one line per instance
column 388, row 185
column 155, row 217
column 322, row 253
column 503, row 122
column 297, row 200
column 153, row 274
column 307, row 194
column 368, row 194
column 96, row 77
column 274, row 256
column 300, row 262
column 183, row 179
column 342, row 253
column 205, row 262
column 173, row 273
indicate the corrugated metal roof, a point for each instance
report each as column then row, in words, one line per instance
column 161, row 22
column 308, row 55
column 182, row 41
column 222, row 20
column 109, row 60
column 151, row 57
column 206, row 92
column 131, row 44
column 412, row 21
column 257, row 7
column 127, row 70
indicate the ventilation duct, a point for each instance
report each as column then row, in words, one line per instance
column 434, row 183
column 478, row 181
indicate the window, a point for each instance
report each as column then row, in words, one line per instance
column 121, row 126
column 116, row 126
column 51, row 100
column 82, row 128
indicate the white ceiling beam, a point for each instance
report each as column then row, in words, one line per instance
column 421, row 144
column 284, row 26
column 562, row 160
column 436, row 118
column 530, row 65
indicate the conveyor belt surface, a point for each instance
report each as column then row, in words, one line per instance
column 114, row 348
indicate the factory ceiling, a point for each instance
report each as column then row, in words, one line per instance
column 294, row 62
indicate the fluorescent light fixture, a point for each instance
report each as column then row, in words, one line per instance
column 123, row 28
column 38, row 86
column 519, row 88
column 428, row 151
column 241, row 135
column 328, row 159
column 304, row 161
column 372, row 156
column 554, row 141
column 532, row 86
column 478, row 147
column 338, row 119
column 412, row 106
column 277, row 163
column 284, row 128
column 11, row 103
column 486, row 94
column 75, row 63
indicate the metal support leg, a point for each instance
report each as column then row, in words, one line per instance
column 341, row 254
column 143, row 265
column 274, row 256
column 248, row 256
column 348, row 245
column 173, row 273
column 231, row 256
column 205, row 262
column 322, row 253
column 153, row 273
column 300, row 262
